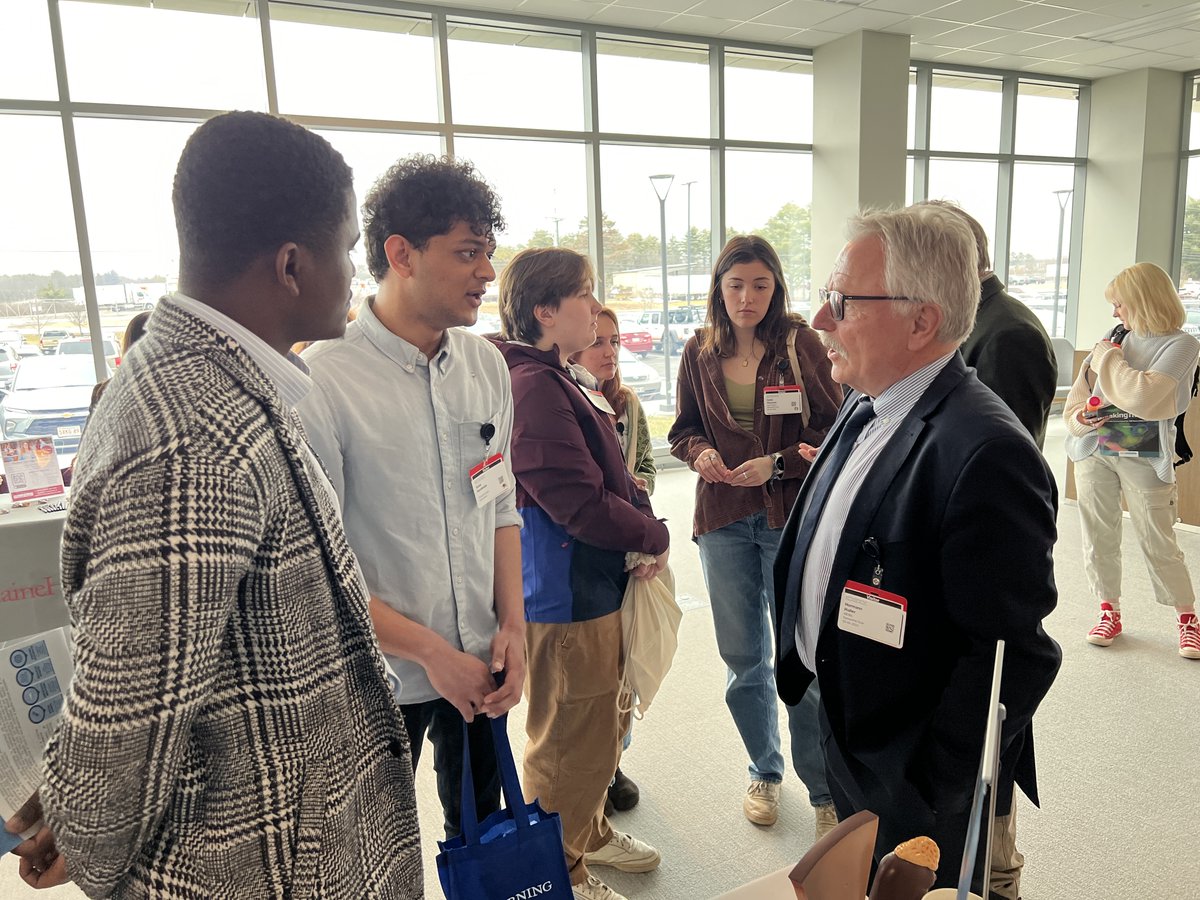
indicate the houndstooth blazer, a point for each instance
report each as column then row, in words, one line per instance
column 229, row 731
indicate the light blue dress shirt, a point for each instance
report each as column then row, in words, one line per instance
column 891, row 408
column 398, row 433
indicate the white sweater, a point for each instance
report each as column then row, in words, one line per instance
column 1147, row 375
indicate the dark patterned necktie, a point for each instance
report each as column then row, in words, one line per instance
column 831, row 461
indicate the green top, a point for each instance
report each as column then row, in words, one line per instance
column 741, row 403
column 635, row 440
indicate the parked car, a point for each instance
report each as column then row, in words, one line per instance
column 683, row 322
column 83, row 347
column 50, row 338
column 636, row 340
column 8, row 365
column 49, row 398
column 643, row 380
column 1191, row 322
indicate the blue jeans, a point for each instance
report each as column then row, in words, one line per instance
column 737, row 561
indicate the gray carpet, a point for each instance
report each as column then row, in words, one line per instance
column 1118, row 742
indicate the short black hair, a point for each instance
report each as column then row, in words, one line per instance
column 422, row 196
column 249, row 182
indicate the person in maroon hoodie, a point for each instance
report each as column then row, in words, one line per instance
column 582, row 512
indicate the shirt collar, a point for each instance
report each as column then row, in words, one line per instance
column 391, row 345
column 288, row 374
column 898, row 400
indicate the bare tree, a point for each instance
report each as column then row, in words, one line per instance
column 77, row 314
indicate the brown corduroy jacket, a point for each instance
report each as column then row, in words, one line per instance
column 703, row 420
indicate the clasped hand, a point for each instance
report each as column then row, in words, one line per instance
column 751, row 473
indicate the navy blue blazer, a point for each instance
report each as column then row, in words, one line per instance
column 961, row 506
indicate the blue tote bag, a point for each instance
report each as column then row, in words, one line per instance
column 516, row 853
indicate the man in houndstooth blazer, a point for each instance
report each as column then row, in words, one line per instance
column 230, row 731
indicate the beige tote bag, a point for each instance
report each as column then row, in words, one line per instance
column 650, row 620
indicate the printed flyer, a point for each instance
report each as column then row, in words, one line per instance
column 34, row 673
column 31, row 468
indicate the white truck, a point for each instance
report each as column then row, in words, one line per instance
column 682, row 321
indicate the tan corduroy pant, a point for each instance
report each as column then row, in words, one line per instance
column 573, row 673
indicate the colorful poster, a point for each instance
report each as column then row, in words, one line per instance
column 31, row 468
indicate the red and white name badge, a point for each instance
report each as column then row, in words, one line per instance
column 782, row 399
column 489, row 479
column 873, row 614
column 600, row 401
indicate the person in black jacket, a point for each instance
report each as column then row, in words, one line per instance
column 922, row 535
column 1009, row 348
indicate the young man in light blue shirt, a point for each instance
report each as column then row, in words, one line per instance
column 403, row 410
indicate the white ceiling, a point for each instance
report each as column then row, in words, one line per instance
column 1078, row 38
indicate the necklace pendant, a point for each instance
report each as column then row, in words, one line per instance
column 745, row 363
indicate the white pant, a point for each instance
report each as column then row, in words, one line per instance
column 1101, row 481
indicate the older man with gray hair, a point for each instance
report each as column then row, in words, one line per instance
column 922, row 535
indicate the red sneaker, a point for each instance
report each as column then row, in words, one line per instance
column 1189, row 636
column 1108, row 628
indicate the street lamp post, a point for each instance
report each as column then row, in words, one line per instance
column 662, row 187
column 688, row 185
column 1063, row 197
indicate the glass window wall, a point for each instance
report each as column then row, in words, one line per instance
column 1039, row 271
column 566, row 175
column 768, row 98
column 965, row 98
column 514, row 78
column 39, row 256
column 653, row 88
column 27, row 63
column 770, row 194
column 391, row 76
column 1046, row 119
column 543, row 192
column 1010, row 174
column 165, row 57
column 971, row 183
column 1189, row 231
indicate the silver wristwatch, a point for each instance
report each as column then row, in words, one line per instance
column 777, row 465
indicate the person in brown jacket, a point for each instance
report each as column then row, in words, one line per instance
column 753, row 386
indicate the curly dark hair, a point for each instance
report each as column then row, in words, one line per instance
column 422, row 196
column 248, row 182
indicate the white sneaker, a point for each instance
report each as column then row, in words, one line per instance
column 595, row 889
column 625, row 853
column 761, row 803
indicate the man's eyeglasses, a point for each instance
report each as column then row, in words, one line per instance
column 837, row 301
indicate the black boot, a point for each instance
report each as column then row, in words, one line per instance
column 623, row 793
